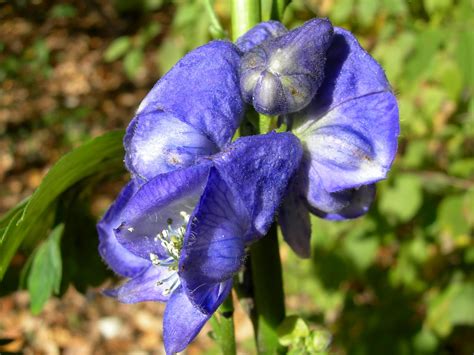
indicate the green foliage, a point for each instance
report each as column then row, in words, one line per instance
column 30, row 220
column 44, row 277
column 400, row 280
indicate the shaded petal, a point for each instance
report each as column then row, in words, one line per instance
column 182, row 321
column 157, row 205
column 260, row 33
column 294, row 221
column 344, row 204
column 145, row 286
column 213, row 248
column 202, row 89
column 157, row 142
column 352, row 145
column 350, row 73
column 119, row 259
column 258, row 169
column 283, row 74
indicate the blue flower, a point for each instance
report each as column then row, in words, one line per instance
column 181, row 236
column 282, row 74
column 349, row 133
column 179, row 229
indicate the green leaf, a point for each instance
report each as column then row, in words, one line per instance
column 117, row 49
column 342, row 11
column 425, row 49
column 465, row 55
column 451, row 220
column 46, row 269
column 366, row 11
column 404, row 198
column 102, row 154
column 291, row 330
column 133, row 62
column 169, row 53
column 434, row 6
column 453, row 306
column 63, row 11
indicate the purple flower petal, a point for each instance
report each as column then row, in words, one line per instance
column 115, row 255
column 157, row 142
column 213, row 248
column 202, row 89
column 350, row 73
column 157, row 206
column 295, row 222
column 182, row 320
column 283, row 74
column 354, row 144
column 353, row 203
column 260, row 33
column 150, row 285
column 258, row 169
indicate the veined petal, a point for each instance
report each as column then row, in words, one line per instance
column 182, row 320
column 352, row 203
column 202, row 89
column 350, row 73
column 157, row 142
column 147, row 286
column 260, row 33
column 158, row 206
column 213, row 248
column 119, row 259
column 352, row 145
column 295, row 222
column 283, row 74
column 258, row 169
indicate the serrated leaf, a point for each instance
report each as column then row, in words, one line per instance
column 44, row 278
column 117, row 49
column 104, row 153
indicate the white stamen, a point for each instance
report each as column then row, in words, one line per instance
column 154, row 259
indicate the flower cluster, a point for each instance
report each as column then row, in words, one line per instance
column 179, row 230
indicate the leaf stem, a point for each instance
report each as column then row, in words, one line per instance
column 223, row 325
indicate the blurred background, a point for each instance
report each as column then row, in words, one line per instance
column 397, row 281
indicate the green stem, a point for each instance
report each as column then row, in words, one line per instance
column 268, row 292
column 245, row 15
column 223, row 325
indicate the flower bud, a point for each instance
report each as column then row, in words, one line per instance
column 283, row 74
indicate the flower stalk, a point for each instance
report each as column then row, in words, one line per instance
column 223, row 326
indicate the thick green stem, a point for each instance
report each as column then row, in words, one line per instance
column 267, row 292
column 223, row 325
column 245, row 15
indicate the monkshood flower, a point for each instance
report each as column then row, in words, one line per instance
column 179, row 229
column 181, row 236
column 282, row 74
column 192, row 111
column 349, row 133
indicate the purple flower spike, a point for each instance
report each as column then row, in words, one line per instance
column 349, row 133
column 283, row 74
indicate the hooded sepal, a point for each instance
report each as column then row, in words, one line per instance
column 283, row 74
